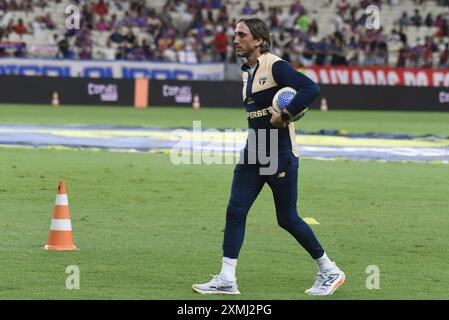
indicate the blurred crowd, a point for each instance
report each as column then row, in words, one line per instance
column 193, row 31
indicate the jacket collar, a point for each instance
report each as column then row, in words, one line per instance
column 261, row 58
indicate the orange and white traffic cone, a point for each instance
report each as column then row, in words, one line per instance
column 60, row 235
column 55, row 99
column 196, row 102
column 323, row 106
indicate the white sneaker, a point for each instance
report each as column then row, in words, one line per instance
column 217, row 285
column 326, row 283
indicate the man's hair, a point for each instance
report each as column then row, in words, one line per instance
column 259, row 30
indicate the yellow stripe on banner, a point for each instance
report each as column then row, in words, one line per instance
column 312, row 140
column 237, row 136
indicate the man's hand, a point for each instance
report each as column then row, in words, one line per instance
column 276, row 119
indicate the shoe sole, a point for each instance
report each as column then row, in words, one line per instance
column 215, row 292
column 337, row 285
column 333, row 289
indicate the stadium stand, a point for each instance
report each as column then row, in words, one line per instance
column 305, row 32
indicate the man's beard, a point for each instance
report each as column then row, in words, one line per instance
column 245, row 54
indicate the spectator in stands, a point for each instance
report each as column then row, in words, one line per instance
column 180, row 6
column 404, row 20
column 402, row 36
column 2, row 33
column 5, row 18
column 430, row 41
column 429, row 20
column 101, row 8
column 289, row 20
column 338, row 22
column 283, row 38
column 353, row 57
column 381, row 53
column 48, row 21
column 276, row 48
column 415, row 55
column 147, row 51
column 439, row 21
column 342, row 6
column 197, row 21
column 402, row 56
column 247, row 10
column 208, row 38
column 222, row 16
column 116, row 36
column 137, row 6
column 153, row 21
column 322, row 49
column 303, row 22
column 427, row 53
column 353, row 43
column 352, row 20
column 282, row 16
column 3, row 52
column 27, row 6
column 443, row 31
column 38, row 27
column 20, row 50
column 207, row 5
column 444, row 57
column 338, row 53
column 273, row 18
column 186, row 54
column 12, row 5
column 84, row 43
column 313, row 27
column 216, row 4
column 169, row 54
column 308, row 53
column 287, row 52
column 85, row 52
column 19, row 28
column 64, row 50
column 140, row 19
column 193, row 41
column 136, row 52
column 121, row 53
column 87, row 17
column 261, row 11
column 394, row 36
column 416, row 19
column 102, row 25
column 361, row 21
column 111, row 24
column 297, row 8
column 108, row 52
column 221, row 43
column 130, row 37
column 126, row 21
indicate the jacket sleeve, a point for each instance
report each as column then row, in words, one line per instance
column 307, row 90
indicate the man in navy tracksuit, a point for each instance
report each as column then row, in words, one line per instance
column 271, row 136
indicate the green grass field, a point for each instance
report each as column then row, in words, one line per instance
column 148, row 229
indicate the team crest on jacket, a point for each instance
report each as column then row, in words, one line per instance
column 262, row 80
